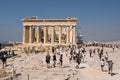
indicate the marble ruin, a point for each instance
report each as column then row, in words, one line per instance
column 49, row 31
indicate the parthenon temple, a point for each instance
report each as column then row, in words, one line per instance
column 49, row 31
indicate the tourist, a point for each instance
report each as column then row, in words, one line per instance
column 58, row 51
column 98, row 50
column 90, row 52
column 54, row 60
column 4, row 60
column 34, row 50
column 102, row 63
column 113, row 47
column 61, row 60
column 83, row 56
column 48, row 60
column 78, row 60
column 110, row 67
column 94, row 51
column 106, row 56
column 70, row 56
column 77, row 50
column 83, row 50
column 101, row 54
column 74, row 56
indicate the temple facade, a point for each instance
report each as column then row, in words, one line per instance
column 49, row 31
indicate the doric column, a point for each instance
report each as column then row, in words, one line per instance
column 74, row 34
column 27, row 34
column 60, row 34
column 30, row 34
column 24, row 34
column 45, row 35
column 33, row 34
column 71, row 34
column 52, row 34
column 38, row 34
column 68, row 35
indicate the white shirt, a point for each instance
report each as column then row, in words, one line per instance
column 102, row 62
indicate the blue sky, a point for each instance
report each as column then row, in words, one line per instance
column 98, row 19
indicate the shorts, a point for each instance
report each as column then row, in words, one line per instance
column 102, row 65
column 110, row 68
column 48, row 61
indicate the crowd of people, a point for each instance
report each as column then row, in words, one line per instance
column 104, row 59
column 78, row 55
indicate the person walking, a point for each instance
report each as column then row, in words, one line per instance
column 113, row 47
column 70, row 56
column 90, row 52
column 110, row 67
column 83, row 57
column 48, row 60
column 102, row 63
column 94, row 51
column 101, row 54
column 106, row 56
column 98, row 50
column 4, row 60
column 78, row 60
column 61, row 60
column 54, row 60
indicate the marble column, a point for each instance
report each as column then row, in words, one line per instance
column 38, row 34
column 71, row 34
column 24, row 34
column 60, row 34
column 45, row 35
column 68, row 35
column 27, row 34
column 30, row 34
column 52, row 34
column 74, row 34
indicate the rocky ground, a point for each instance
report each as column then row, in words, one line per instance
column 33, row 67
